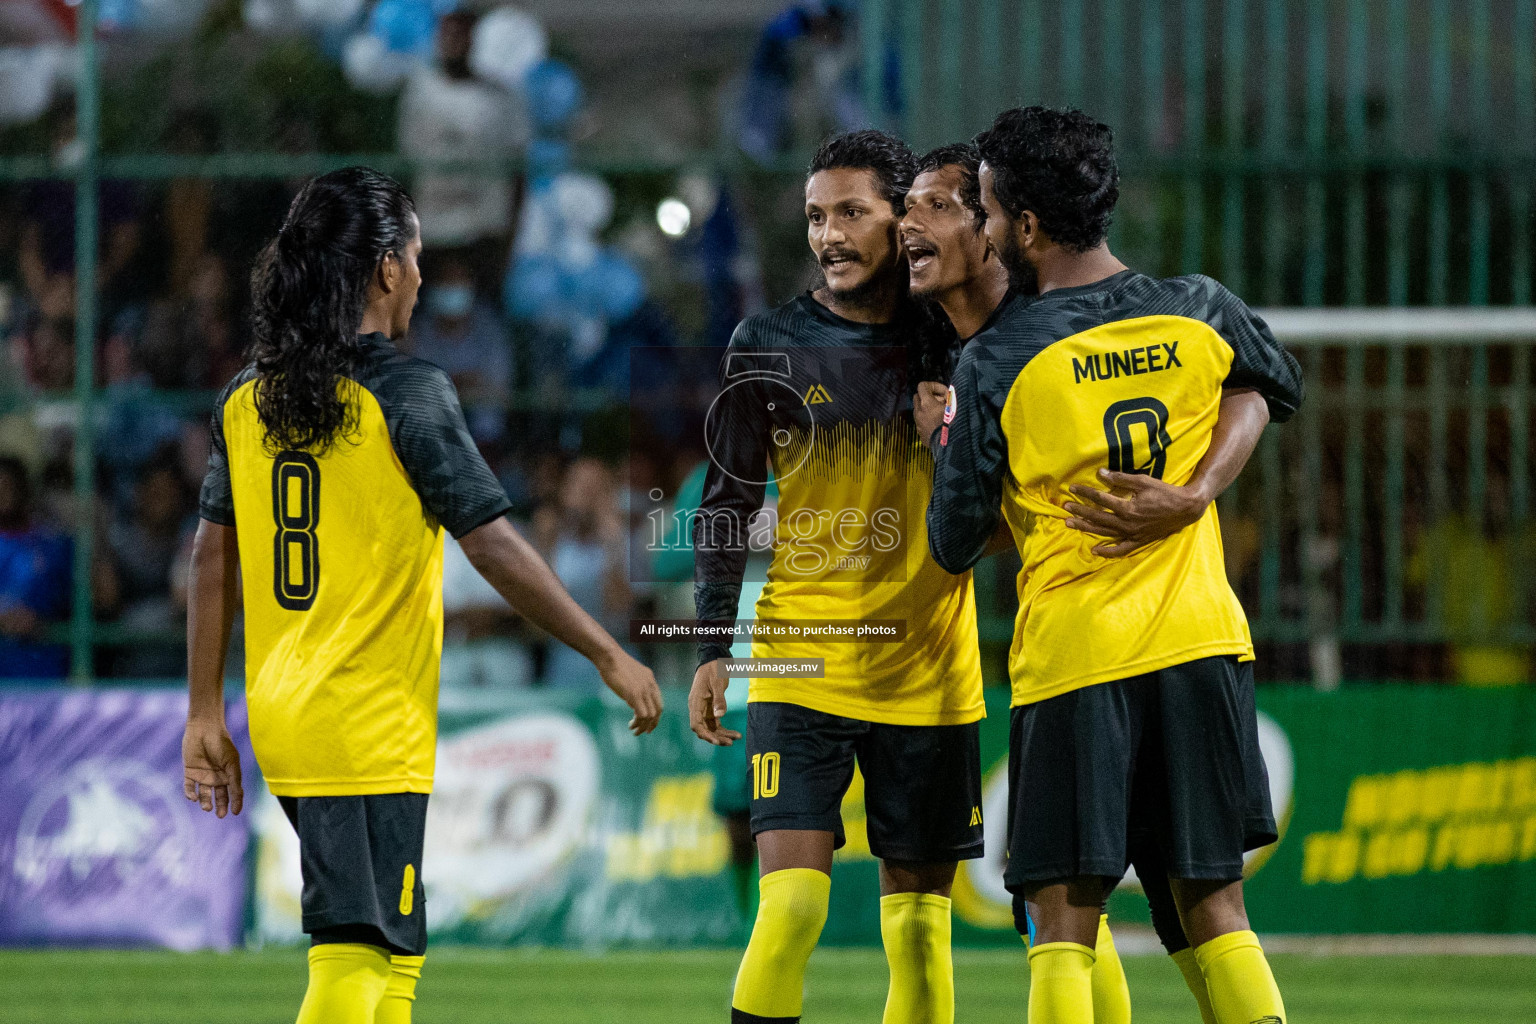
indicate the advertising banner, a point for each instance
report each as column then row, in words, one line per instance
column 1401, row 809
column 552, row 824
column 1414, row 811
column 98, row 846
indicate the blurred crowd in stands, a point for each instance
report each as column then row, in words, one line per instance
column 558, row 304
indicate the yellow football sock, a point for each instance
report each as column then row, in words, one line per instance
column 1242, row 989
column 400, row 993
column 790, row 916
column 1190, row 968
column 1111, row 995
column 346, row 982
column 1060, row 983
column 915, row 929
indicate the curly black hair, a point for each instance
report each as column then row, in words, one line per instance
column 883, row 155
column 309, row 289
column 967, row 157
column 1058, row 163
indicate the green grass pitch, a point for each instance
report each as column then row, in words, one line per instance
column 477, row 986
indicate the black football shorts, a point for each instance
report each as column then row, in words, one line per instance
column 1169, row 757
column 922, row 783
column 361, row 861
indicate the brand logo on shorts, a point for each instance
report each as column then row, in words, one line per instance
column 817, row 395
column 408, row 891
column 975, row 815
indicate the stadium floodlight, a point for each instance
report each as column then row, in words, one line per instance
column 673, row 217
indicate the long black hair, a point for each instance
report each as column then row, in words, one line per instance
column 309, row 290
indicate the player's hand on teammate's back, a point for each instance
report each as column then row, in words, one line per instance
column 212, row 765
column 928, row 407
column 636, row 686
column 706, row 705
column 1138, row 510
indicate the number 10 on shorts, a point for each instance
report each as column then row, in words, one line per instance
column 765, row 775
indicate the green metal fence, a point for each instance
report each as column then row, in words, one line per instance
column 1393, row 513
column 1308, row 153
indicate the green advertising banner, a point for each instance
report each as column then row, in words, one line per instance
column 1401, row 809
column 1414, row 811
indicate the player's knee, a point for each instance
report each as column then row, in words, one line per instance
column 803, row 920
column 793, row 910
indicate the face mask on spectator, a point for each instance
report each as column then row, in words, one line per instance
column 453, row 300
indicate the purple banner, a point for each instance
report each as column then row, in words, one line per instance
column 98, row 846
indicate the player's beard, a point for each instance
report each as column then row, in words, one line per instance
column 868, row 293
column 1022, row 277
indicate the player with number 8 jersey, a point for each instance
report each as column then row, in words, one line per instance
column 337, row 462
column 342, row 677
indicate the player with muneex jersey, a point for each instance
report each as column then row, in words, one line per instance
column 1132, row 680
column 955, row 268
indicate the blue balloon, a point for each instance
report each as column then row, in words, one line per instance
column 406, row 26
column 554, row 93
column 119, row 14
column 533, row 287
column 611, row 287
column 547, row 158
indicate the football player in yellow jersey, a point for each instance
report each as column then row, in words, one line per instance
column 953, row 265
column 337, row 464
column 1132, row 684
column 820, row 389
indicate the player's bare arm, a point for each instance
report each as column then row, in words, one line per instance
column 1138, row 509
column 511, row 565
column 210, row 758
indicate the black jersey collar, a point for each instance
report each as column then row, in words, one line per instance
column 377, row 340
column 874, row 331
column 1102, row 285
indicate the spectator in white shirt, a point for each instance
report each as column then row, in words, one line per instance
column 447, row 114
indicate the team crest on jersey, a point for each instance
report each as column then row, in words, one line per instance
column 949, row 417
column 817, row 395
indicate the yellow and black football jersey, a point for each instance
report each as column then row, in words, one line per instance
column 1126, row 373
column 826, row 402
column 341, row 555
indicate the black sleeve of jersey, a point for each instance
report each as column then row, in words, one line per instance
column 216, row 503
column 1258, row 360
column 734, row 485
column 426, row 426
column 968, row 467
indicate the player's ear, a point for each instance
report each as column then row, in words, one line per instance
column 1027, row 229
column 389, row 272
